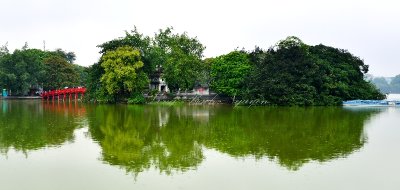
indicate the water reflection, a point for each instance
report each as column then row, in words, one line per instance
column 137, row 138
column 32, row 125
column 173, row 139
column 292, row 136
column 170, row 139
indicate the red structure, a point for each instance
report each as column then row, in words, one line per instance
column 62, row 94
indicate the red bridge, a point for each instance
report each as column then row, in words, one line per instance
column 64, row 93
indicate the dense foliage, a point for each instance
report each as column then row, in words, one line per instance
column 173, row 57
column 182, row 55
column 27, row 71
column 228, row 73
column 293, row 73
column 122, row 72
column 59, row 73
column 289, row 73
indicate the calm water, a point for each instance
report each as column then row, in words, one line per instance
column 47, row 146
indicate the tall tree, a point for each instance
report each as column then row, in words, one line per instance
column 69, row 56
column 4, row 50
column 174, row 57
column 59, row 74
column 94, row 87
column 228, row 73
column 283, row 74
column 26, row 71
column 341, row 75
column 136, row 40
column 122, row 72
column 180, row 57
column 293, row 73
column 23, row 70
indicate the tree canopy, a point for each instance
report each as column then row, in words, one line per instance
column 122, row 74
column 289, row 73
column 181, row 59
column 173, row 57
column 27, row 69
column 293, row 73
column 60, row 73
column 228, row 73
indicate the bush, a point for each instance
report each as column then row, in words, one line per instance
column 136, row 98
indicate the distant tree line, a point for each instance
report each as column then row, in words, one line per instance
column 27, row 71
column 387, row 87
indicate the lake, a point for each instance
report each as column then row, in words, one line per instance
column 50, row 145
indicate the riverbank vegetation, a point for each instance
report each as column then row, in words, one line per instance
column 177, row 58
column 27, row 71
column 289, row 73
column 294, row 73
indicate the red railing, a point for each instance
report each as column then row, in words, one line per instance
column 63, row 93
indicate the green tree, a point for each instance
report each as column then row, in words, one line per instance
column 293, row 73
column 204, row 77
column 122, row 72
column 228, row 73
column 4, row 50
column 94, row 87
column 82, row 75
column 96, row 90
column 23, row 70
column 59, row 73
column 180, row 58
column 174, row 57
column 136, row 40
column 69, row 56
column 283, row 75
column 341, row 75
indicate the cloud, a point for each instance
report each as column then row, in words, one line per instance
column 368, row 29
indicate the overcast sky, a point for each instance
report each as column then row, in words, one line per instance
column 368, row 29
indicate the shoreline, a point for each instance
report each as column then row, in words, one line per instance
column 20, row 97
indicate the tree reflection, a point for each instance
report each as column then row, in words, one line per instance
column 32, row 125
column 136, row 138
column 292, row 136
column 172, row 138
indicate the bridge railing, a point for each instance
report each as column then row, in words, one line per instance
column 63, row 93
